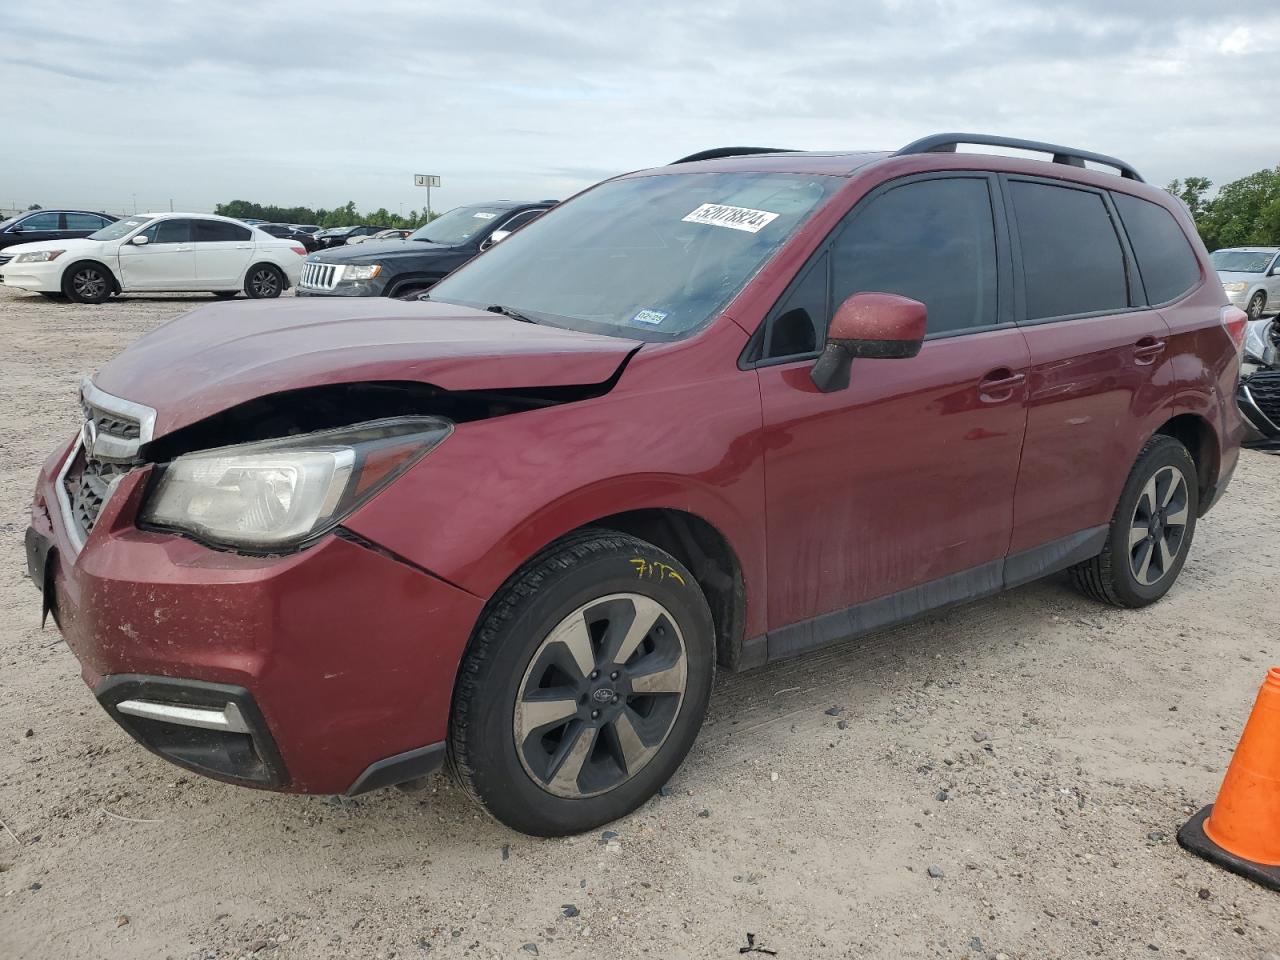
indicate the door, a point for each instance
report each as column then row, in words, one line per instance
column 36, row 228
column 167, row 261
column 906, row 477
column 223, row 252
column 1094, row 349
column 1273, row 287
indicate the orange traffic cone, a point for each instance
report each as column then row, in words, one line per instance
column 1241, row 831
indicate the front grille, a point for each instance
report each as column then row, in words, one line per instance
column 110, row 423
column 320, row 276
column 1265, row 390
column 87, row 484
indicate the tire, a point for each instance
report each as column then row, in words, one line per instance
column 1134, row 570
column 555, row 627
column 226, row 294
column 263, row 281
column 1256, row 305
column 88, row 282
column 410, row 293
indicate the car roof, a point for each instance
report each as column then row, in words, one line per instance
column 170, row 214
column 1247, row 250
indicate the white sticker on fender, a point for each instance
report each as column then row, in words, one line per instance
column 735, row 218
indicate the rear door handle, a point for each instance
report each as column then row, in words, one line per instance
column 998, row 385
column 1147, row 349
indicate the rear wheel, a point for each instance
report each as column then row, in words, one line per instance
column 1150, row 531
column 1256, row 305
column 264, row 281
column 584, row 686
column 88, row 283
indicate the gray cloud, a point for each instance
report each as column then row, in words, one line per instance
column 324, row 101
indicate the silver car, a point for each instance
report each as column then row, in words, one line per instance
column 1251, row 277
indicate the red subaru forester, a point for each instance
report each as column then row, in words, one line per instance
column 717, row 413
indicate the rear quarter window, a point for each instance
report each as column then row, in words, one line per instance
column 1072, row 261
column 1167, row 263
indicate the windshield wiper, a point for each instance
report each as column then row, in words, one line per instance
column 508, row 312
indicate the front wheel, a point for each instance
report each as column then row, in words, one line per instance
column 263, row 282
column 1256, row 305
column 1150, row 532
column 584, row 686
column 88, row 283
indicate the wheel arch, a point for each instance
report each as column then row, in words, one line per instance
column 95, row 261
column 257, row 262
column 1196, row 434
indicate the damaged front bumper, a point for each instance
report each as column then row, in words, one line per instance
column 328, row 670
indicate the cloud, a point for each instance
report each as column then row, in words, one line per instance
column 317, row 103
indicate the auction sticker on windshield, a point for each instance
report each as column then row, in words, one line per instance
column 484, row 215
column 735, row 218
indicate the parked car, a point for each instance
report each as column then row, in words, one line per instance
column 283, row 231
column 1259, row 394
column 406, row 268
column 390, row 234
column 36, row 226
column 158, row 251
column 1251, row 277
column 337, row 236
column 710, row 415
column 305, row 227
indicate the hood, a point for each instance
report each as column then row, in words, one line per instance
column 223, row 355
column 377, row 250
column 77, row 246
column 1233, row 276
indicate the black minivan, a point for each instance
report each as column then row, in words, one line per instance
column 403, row 268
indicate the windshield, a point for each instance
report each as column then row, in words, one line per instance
column 655, row 257
column 114, row 231
column 5, row 223
column 1240, row 261
column 458, row 225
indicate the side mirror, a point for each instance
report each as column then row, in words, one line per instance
column 17, row 228
column 498, row 236
column 140, row 240
column 876, row 326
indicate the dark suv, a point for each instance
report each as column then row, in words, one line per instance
column 705, row 416
column 404, row 268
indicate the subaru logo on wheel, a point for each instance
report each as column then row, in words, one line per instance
column 603, row 695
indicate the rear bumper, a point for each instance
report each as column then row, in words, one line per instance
column 339, row 661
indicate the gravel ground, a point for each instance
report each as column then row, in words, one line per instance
column 1002, row 781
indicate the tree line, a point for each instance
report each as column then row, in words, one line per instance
column 1244, row 213
column 344, row 216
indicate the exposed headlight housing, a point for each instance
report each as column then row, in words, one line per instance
column 282, row 493
column 360, row 272
column 1235, row 287
column 38, row 256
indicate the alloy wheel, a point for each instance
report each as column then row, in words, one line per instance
column 1158, row 530
column 600, row 696
column 89, row 284
column 1255, row 306
column 265, row 283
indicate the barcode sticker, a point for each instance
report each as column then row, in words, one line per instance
column 735, row 218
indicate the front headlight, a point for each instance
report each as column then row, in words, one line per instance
column 1235, row 287
column 38, row 256
column 285, row 492
column 353, row 272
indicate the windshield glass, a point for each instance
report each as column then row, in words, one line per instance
column 1240, row 261
column 655, row 257
column 458, row 225
column 11, row 220
column 114, row 231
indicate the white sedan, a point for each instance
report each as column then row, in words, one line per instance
column 154, row 252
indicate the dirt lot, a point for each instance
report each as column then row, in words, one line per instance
column 1037, row 750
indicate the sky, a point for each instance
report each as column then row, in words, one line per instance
column 108, row 105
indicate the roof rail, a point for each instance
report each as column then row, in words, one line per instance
column 947, row 142
column 718, row 152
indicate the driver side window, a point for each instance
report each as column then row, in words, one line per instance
column 169, row 231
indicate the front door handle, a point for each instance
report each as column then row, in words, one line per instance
column 1147, row 349
column 998, row 385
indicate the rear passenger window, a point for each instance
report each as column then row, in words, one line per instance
column 217, row 231
column 84, row 221
column 931, row 240
column 1072, row 262
column 1166, row 261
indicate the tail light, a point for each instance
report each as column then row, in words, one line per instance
column 1236, row 321
column 300, row 251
